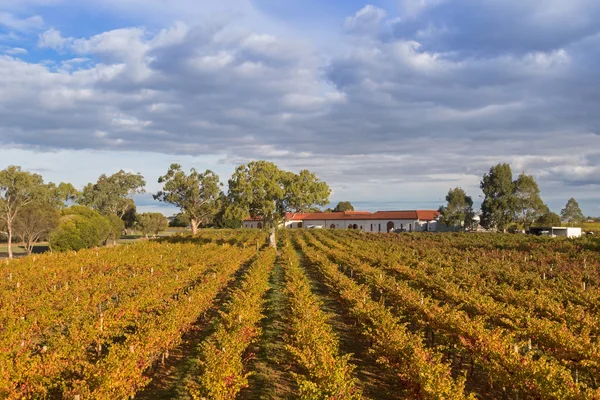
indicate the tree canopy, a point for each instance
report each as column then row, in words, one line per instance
column 196, row 194
column 80, row 227
column 18, row 189
column 261, row 190
column 459, row 208
column 498, row 204
column 113, row 194
column 528, row 204
column 548, row 218
column 343, row 206
column 572, row 214
column 151, row 223
column 35, row 222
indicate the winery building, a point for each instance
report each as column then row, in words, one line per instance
column 380, row 221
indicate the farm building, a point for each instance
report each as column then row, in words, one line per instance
column 553, row 231
column 380, row 221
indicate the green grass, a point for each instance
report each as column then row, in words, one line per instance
column 19, row 250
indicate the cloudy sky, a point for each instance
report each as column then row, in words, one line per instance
column 391, row 102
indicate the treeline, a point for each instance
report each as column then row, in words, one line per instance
column 32, row 210
column 508, row 204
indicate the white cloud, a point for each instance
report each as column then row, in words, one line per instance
column 52, row 39
column 406, row 110
column 15, row 51
column 367, row 19
column 11, row 22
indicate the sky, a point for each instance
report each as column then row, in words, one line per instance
column 391, row 102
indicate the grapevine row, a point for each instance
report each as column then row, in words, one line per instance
column 221, row 375
column 312, row 343
column 495, row 350
column 422, row 369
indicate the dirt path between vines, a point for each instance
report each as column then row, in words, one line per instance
column 168, row 380
column 272, row 378
column 374, row 381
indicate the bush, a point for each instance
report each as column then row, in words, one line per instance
column 80, row 228
column 151, row 223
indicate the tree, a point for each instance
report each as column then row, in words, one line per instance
column 79, row 228
column 129, row 218
column 304, row 192
column 260, row 189
column 228, row 216
column 459, row 208
column 197, row 194
column 34, row 223
column 572, row 214
column 117, row 225
column 180, row 220
column 18, row 189
column 62, row 195
column 343, row 206
column 497, row 209
column 113, row 194
column 151, row 223
column 548, row 218
column 528, row 204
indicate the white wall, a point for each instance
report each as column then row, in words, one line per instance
column 365, row 225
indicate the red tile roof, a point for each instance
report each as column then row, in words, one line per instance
column 421, row 215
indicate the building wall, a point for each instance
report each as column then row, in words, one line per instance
column 573, row 232
column 364, row 225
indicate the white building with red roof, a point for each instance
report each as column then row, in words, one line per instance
column 380, row 221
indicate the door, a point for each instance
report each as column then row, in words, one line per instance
column 390, row 226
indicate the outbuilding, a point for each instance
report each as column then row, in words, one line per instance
column 556, row 231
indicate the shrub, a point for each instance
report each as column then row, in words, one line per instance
column 80, row 228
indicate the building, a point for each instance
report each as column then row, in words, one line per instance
column 556, row 231
column 380, row 221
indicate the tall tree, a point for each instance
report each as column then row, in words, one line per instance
column 62, row 195
column 497, row 209
column 343, row 206
column 528, row 204
column 228, row 216
column 196, row 194
column 113, row 194
column 261, row 190
column 572, row 214
column 18, row 189
column 459, row 208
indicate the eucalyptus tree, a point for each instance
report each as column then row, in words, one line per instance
column 18, row 189
column 197, row 195
column 261, row 190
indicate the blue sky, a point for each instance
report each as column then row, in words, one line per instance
column 392, row 102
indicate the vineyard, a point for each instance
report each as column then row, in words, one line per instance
column 330, row 315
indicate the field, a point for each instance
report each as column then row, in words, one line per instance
column 332, row 314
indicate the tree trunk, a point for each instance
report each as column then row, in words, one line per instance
column 194, row 224
column 273, row 238
column 29, row 246
column 10, row 253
